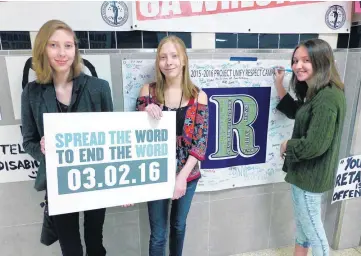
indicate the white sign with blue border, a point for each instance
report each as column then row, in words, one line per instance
column 97, row 160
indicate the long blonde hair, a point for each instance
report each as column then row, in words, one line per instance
column 41, row 65
column 189, row 89
column 323, row 65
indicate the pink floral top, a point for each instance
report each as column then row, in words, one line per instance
column 193, row 138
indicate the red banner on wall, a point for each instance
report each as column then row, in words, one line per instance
column 358, row 6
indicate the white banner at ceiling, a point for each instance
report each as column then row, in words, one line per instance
column 185, row 16
column 243, row 16
column 92, row 165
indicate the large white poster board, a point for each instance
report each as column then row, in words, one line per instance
column 96, row 160
column 248, row 87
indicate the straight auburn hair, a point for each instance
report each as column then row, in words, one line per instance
column 41, row 65
column 323, row 66
column 189, row 89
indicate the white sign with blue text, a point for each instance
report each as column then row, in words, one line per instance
column 97, row 160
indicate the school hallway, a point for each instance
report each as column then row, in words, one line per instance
column 288, row 251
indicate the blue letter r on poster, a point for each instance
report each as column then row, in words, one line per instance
column 239, row 119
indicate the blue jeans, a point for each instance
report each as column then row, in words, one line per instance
column 309, row 227
column 158, row 219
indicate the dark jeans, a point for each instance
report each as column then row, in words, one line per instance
column 67, row 227
column 158, row 219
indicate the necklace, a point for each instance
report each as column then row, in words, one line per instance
column 180, row 103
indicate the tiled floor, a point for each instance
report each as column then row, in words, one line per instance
column 288, row 251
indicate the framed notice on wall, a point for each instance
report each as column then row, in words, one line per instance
column 97, row 160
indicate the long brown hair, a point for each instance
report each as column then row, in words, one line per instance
column 41, row 65
column 189, row 89
column 323, row 65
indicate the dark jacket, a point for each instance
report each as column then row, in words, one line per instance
column 90, row 94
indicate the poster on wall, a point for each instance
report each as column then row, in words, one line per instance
column 243, row 16
column 95, row 15
column 348, row 179
column 19, row 73
column 110, row 162
column 245, row 129
column 15, row 163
